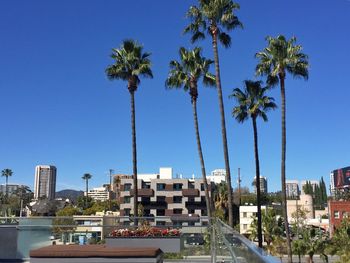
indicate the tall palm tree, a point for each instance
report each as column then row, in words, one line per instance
column 213, row 17
column 6, row 173
column 186, row 74
column 282, row 56
column 253, row 103
column 86, row 177
column 130, row 63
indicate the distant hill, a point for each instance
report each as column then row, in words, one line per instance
column 70, row 194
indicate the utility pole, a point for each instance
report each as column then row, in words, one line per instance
column 239, row 186
column 110, row 189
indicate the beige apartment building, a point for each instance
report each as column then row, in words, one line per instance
column 171, row 201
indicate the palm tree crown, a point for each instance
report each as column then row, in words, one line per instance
column 129, row 63
column 86, row 177
column 282, row 56
column 189, row 70
column 252, row 101
column 213, row 17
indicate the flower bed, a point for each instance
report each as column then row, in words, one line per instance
column 145, row 232
column 168, row 240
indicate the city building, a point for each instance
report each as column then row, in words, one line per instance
column 12, row 188
column 172, row 201
column 305, row 203
column 246, row 217
column 99, row 193
column 340, row 179
column 217, row 176
column 312, row 182
column 338, row 210
column 263, row 184
column 45, row 182
column 292, row 189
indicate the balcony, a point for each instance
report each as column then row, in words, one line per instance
column 154, row 204
column 195, row 205
column 145, row 192
column 191, row 192
column 185, row 217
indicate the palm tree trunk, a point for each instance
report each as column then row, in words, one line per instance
column 134, row 155
column 257, row 180
column 206, row 188
column 6, row 187
column 87, row 191
column 223, row 130
column 283, row 169
column 200, row 153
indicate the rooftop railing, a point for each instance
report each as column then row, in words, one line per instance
column 212, row 241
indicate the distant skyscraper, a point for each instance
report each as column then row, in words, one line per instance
column 45, row 182
column 292, row 188
column 263, row 184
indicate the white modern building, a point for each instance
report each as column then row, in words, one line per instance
column 99, row 193
column 45, row 182
column 247, row 213
column 217, row 176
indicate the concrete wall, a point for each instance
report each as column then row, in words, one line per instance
column 8, row 241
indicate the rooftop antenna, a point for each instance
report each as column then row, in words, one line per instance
column 111, row 171
column 239, row 185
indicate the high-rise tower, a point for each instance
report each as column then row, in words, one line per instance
column 45, row 182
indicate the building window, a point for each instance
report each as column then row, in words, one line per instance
column 127, row 199
column 244, row 214
column 160, row 198
column 191, row 211
column 336, row 214
column 177, row 199
column 160, row 212
column 160, row 223
column 145, row 185
column 177, row 211
column 127, row 212
column 177, row 224
column 245, row 226
column 160, row 187
column 203, row 199
column 145, row 199
column 204, row 212
column 127, row 187
column 191, row 223
column 190, row 185
column 191, row 199
column 202, row 187
column 177, row 187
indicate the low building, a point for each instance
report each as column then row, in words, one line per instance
column 12, row 188
column 99, row 193
column 247, row 213
column 305, row 203
column 338, row 210
column 217, row 176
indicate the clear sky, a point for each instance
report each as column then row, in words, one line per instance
column 58, row 107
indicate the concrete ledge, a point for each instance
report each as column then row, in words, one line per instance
column 94, row 254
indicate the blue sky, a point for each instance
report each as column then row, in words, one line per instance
column 59, row 108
